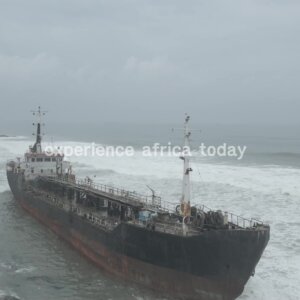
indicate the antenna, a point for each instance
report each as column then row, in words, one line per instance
column 37, row 148
column 187, row 118
column 39, row 114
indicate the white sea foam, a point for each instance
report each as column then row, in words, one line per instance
column 25, row 270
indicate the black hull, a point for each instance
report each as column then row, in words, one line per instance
column 214, row 265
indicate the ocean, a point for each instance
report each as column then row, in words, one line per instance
column 35, row 264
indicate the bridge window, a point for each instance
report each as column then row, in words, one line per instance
column 53, row 159
column 39, row 159
column 42, row 170
column 32, row 170
column 47, row 159
column 33, row 159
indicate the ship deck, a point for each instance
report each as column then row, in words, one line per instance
column 121, row 196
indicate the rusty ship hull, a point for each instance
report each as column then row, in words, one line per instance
column 214, row 265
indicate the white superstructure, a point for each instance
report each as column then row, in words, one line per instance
column 36, row 162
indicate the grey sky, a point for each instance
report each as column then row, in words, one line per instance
column 137, row 60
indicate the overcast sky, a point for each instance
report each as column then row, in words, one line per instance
column 136, row 60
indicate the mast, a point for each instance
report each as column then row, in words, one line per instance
column 37, row 147
column 186, row 194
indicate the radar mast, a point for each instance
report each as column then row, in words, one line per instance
column 186, row 194
column 37, row 147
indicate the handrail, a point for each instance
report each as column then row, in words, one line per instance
column 90, row 216
column 147, row 201
column 235, row 219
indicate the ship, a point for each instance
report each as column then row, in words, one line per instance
column 181, row 250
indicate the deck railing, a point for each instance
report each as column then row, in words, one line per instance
column 234, row 219
column 148, row 202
